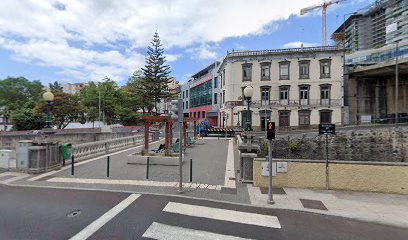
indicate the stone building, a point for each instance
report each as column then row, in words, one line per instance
column 296, row 88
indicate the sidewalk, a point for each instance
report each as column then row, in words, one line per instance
column 389, row 209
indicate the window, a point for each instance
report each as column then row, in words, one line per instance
column 203, row 114
column 183, row 94
column 195, row 115
column 325, row 116
column 304, row 95
column 265, row 96
column 215, row 98
column 265, row 117
column 304, row 118
column 284, row 71
column 187, row 105
column 223, row 77
column 325, row 68
column 216, row 82
column 199, row 114
column 246, row 72
column 284, row 95
column 223, row 96
column 183, row 105
column 265, row 71
column 186, row 93
column 324, row 95
column 304, row 69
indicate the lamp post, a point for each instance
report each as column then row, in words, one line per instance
column 49, row 98
column 248, row 92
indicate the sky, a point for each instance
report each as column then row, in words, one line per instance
column 87, row 40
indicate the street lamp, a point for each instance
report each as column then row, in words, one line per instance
column 49, row 98
column 248, row 92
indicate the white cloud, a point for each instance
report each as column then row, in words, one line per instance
column 69, row 34
column 203, row 52
column 298, row 44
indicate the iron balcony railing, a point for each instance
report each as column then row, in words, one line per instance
column 280, row 51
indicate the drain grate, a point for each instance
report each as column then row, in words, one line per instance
column 279, row 191
column 313, row 204
column 74, row 213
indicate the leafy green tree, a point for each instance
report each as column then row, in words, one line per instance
column 105, row 94
column 55, row 86
column 66, row 108
column 138, row 98
column 16, row 92
column 156, row 72
column 26, row 119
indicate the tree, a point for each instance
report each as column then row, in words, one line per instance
column 138, row 98
column 156, row 72
column 16, row 92
column 26, row 119
column 66, row 108
column 55, row 86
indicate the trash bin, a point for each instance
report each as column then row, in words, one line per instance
column 66, row 150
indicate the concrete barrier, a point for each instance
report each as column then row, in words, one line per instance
column 343, row 175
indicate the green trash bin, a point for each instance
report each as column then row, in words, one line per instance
column 66, row 151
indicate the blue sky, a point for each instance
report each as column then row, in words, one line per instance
column 78, row 41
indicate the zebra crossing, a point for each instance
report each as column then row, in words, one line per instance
column 9, row 177
column 162, row 231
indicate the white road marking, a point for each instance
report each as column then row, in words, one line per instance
column 230, row 168
column 223, row 214
column 167, row 232
column 15, row 177
column 126, row 182
column 102, row 220
column 86, row 161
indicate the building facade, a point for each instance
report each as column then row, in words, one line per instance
column 203, row 94
column 296, row 88
column 72, row 88
column 382, row 23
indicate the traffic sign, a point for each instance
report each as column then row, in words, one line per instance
column 327, row 129
column 270, row 131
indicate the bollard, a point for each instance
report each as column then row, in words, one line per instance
column 191, row 170
column 72, row 165
column 147, row 168
column 107, row 166
column 63, row 162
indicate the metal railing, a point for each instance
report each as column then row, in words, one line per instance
column 292, row 103
column 280, row 51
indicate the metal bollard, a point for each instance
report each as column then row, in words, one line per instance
column 63, row 162
column 147, row 168
column 72, row 165
column 107, row 166
column 191, row 170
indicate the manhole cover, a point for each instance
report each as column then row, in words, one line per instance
column 74, row 213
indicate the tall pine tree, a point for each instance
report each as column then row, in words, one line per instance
column 156, row 72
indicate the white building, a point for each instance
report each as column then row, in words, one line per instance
column 73, row 88
column 296, row 88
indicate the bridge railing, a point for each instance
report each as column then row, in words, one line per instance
column 84, row 151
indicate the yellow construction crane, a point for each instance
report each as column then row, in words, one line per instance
column 323, row 6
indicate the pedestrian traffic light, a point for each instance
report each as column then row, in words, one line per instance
column 176, row 112
column 270, row 131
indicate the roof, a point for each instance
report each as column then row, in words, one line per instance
column 202, row 71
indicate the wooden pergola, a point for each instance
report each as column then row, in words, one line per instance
column 185, row 121
column 148, row 120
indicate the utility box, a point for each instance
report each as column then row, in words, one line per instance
column 22, row 153
column 66, row 150
column 7, row 159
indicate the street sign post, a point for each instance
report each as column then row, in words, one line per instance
column 270, row 134
column 327, row 129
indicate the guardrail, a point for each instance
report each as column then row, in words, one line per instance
column 93, row 149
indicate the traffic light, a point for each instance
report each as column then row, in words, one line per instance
column 177, row 110
column 270, row 131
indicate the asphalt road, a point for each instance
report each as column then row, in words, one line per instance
column 39, row 213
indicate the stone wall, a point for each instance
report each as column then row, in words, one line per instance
column 377, row 144
column 343, row 175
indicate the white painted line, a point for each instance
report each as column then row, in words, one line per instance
column 230, row 168
column 167, row 232
column 223, row 214
column 102, row 220
column 86, row 161
column 124, row 182
column 16, row 178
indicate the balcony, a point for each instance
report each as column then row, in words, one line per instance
column 288, row 103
